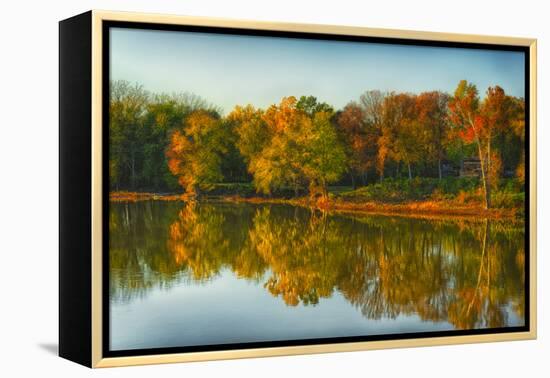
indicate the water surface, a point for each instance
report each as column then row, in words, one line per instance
column 184, row 274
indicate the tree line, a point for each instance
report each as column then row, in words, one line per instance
column 163, row 142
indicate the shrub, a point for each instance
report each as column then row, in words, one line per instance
column 506, row 199
column 461, row 190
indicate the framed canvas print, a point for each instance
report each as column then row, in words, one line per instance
column 236, row 189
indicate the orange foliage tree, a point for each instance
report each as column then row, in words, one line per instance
column 360, row 137
column 195, row 151
column 479, row 123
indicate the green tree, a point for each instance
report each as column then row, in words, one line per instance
column 126, row 133
column 139, row 132
column 310, row 106
column 164, row 114
column 324, row 159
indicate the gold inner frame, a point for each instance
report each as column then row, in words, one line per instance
column 97, row 217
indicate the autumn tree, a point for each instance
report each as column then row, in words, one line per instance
column 508, row 142
column 479, row 123
column 372, row 104
column 360, row 136
column 252, row 132
column 517, row 112
column 465, row 114
column 351, row 126
column 277, row 165
column 290, row 147
column 400, row 137
column 497, row 116
column 431, row 115
column 196, row 151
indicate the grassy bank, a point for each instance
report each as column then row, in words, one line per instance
column 458, row 192
column 423, row 209
column 417, row 197
column 125, row 196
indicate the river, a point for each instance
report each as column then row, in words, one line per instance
column 187, row 274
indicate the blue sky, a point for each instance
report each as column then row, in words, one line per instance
column 229, row 70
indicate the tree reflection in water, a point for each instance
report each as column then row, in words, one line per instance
column 469, row 273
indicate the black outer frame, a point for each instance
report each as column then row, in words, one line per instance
column 75, row 189
column 75, row 182
column 106, row 25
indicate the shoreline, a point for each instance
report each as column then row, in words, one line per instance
column 413, row 209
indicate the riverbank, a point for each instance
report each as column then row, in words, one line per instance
column 123, row 196
column 421, row 208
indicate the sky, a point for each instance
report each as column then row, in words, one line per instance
column 228, row 70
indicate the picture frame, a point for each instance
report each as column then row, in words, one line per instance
column 84, row 244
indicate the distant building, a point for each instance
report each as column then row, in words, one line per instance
column 448, row 169
column 470, row 167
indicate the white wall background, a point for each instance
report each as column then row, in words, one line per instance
column 29, row 174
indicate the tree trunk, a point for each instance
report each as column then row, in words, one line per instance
column 484, row 182
column 488, row 173
column 353, row 184
column 133, row 164
column 193, row 190
column 324, row 190
column 439, row 149
column 484, row 244
column 410, row 173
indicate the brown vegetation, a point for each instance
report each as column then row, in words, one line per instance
column 417, row 209
column 137, row 196
column 421, row 209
